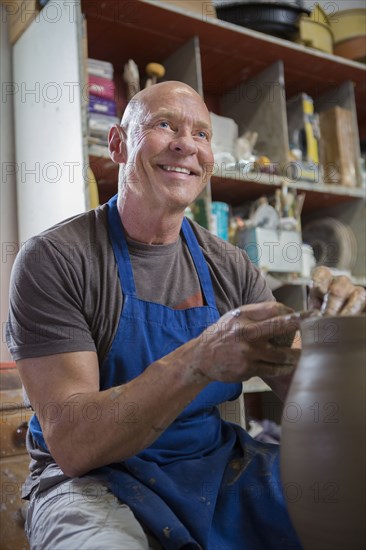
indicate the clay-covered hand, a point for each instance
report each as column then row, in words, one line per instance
column 335, row 295
column 241, row 344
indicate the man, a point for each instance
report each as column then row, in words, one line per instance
column 128, row 327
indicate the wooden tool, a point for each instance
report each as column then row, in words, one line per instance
column 154, row 71
column 132, row 78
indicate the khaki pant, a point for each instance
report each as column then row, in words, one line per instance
column 82, row 514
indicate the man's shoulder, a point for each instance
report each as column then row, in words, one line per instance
column 70, row 239
column 82, row 226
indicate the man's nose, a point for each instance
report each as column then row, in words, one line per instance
column 184, row 144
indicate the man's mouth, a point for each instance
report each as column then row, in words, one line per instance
column 179, row 169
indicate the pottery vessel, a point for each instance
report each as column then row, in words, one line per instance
column 323, row 435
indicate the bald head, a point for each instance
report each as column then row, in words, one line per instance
column 165, row 142
column 140, row 104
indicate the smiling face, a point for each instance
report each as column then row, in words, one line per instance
column 168, row 157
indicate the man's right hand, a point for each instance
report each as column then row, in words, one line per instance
column 239, row 346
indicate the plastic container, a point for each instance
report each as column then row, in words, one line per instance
column 102, row 106
column 220, row 219
column 100, row 68
column 99, row 125
column 101, row 87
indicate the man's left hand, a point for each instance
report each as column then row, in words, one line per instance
column 335, row 295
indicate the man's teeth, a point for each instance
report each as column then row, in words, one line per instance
column 176, row 169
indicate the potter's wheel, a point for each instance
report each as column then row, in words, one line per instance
column 333, row 242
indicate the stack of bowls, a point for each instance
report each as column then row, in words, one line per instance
column 277, row 18
column 315, row 31
column 349, row 29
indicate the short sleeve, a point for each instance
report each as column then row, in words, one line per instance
column 256, row 289
column 46, row 313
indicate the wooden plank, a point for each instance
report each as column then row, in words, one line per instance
column 185, row 65
column 236, row 189
column 259, row 105
column 344, row 96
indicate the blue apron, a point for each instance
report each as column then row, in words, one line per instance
column 204, row 483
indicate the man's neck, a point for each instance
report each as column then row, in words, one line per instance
column 149, row 226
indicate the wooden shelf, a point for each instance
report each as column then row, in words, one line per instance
column 230, row 54
column 236, row 189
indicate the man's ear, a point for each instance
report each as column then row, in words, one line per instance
column 117, row 144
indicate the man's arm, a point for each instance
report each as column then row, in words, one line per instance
column 85, row 428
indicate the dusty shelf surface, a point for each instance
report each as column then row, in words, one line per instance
column 235, row 189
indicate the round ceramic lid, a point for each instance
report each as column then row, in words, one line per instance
column 293, row 3
column 333, row 242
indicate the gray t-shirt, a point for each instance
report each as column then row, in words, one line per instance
column 66, row 296
column 65, row 291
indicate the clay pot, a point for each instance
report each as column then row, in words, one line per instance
column 323, row 435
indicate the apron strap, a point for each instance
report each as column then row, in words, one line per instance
column 200, row 263
column 120, row 249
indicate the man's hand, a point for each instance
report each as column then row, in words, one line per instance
column 335, row 295
column 239, row 346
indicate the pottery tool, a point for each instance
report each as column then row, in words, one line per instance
column 154, row 71
column 288, row 201
column 132, row 78
column 299, row 203
column 299, row 316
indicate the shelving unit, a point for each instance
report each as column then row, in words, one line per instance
column 226, row 62
column 217, row 58
column 230, row 54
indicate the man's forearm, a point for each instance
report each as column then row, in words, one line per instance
column 100, row 428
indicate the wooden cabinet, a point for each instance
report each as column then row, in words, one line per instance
column 14, row 460
column 237, row 70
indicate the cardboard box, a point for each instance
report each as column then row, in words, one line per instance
column 273, row 250
column 19, row 14
column 337, row 152
column 199, row 7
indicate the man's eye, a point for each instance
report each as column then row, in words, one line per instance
column 203, row 135
column 164, row 124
